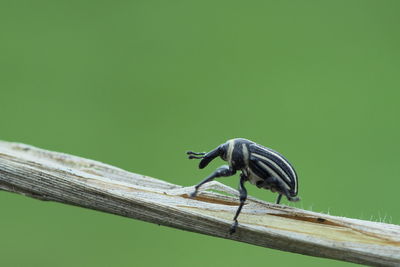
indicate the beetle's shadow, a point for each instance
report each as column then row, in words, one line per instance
column 213, row 187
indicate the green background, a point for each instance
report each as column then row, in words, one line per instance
column 137, row 83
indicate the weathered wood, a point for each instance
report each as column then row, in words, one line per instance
column 69, row 179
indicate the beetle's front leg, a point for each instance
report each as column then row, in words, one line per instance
column 222, row 171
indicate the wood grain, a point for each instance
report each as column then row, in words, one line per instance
column 82, row 182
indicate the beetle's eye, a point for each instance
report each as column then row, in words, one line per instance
column 223, row 151
column 223, row 156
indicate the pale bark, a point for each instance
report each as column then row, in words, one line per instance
column 73, row 180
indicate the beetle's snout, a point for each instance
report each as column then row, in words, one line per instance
column 203, row 163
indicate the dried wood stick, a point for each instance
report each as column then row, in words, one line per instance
column 82, row 182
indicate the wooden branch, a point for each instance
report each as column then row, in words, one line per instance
column 68, row 179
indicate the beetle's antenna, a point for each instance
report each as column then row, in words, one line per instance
column 196, row 155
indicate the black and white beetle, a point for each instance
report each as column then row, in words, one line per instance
column 259, row 165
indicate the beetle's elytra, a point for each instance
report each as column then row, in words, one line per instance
column 259, row 165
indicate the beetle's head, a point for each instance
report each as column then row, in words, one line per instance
column 223, row 151
column 220, row 151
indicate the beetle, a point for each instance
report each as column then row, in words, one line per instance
column 261, row 166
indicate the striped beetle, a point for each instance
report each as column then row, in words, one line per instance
column 259, row 165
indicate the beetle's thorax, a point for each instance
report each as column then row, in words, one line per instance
column 237, row 153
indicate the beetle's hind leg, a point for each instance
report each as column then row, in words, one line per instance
column 278, row 199
column 281, row 188
column 222, row 171
column 195, row 155
column 277, row 185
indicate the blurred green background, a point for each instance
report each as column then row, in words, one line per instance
column 137, row 83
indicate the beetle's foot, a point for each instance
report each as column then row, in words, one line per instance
column 193, row 194
column 234, row 225
column 293, row 199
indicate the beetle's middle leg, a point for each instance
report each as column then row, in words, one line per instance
column 243, row 197
column 222, row 171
